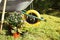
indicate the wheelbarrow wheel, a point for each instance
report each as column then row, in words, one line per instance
column 30, row 19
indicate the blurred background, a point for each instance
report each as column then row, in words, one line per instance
column 51, row 7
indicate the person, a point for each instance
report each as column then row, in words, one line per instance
column 16, row 5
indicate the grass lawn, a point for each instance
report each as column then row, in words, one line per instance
column 45, row 30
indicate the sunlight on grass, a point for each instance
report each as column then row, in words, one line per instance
column 46, row 30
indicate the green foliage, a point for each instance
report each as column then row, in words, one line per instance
column 44, row 5
column 14, row 19
column 49, row 30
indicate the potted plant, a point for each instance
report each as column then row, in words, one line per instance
column 15, row 21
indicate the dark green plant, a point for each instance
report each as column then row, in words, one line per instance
column 45, row 5
column 14, row 19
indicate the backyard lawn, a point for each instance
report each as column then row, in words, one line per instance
column 45, row 30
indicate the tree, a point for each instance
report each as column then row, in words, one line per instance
column 44, row 5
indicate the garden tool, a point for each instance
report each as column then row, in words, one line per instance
column 15, row 5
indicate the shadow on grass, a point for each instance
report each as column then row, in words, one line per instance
column 7, row 30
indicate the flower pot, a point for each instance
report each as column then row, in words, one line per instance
column 16, row 35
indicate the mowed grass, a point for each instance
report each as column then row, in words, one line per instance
column 46, row 30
